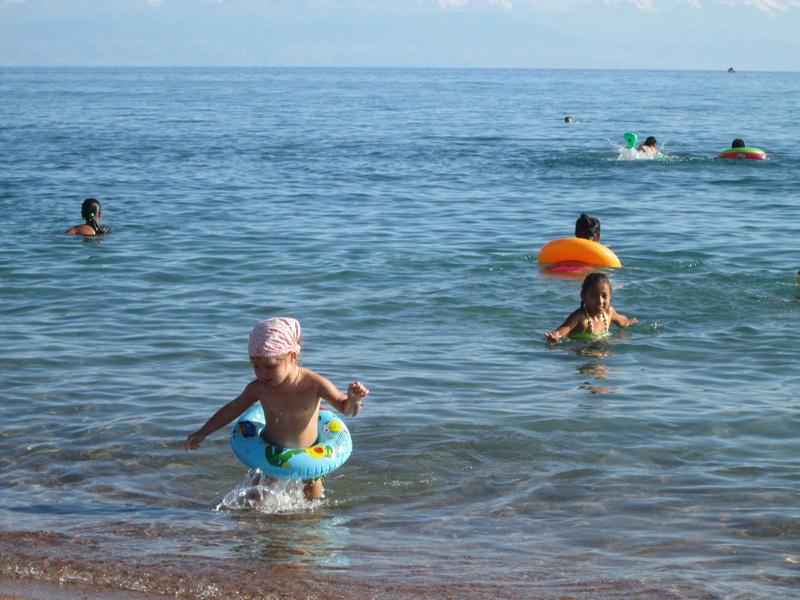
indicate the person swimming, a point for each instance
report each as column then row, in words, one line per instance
column 91, row 211
column 587, row 227
column 649, row 146
column 593, row 318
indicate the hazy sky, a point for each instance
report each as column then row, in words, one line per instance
column 648, row 34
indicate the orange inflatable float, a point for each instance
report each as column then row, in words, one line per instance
column 578, row 250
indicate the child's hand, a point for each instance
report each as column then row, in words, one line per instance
column 356, row 393
column 552, row 336
column 193, row 441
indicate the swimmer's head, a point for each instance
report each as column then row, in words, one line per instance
column 567, row 119
column 587, row 227
column 592, row 281
column 91, row 210
column 650, row 141
column 276, row 336
column 737, row 143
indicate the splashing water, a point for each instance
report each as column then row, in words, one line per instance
column 266, row 495
column 625, row 153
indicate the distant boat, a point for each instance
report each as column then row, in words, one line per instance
column 731, row 70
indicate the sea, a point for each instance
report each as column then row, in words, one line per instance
column 398, row 215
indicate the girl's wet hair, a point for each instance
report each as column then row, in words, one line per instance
column 587, row 227
column 593, row 279
column 90, row 210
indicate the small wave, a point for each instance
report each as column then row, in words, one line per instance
column 266, row 495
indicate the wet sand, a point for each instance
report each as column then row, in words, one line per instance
column 49, row 566
column 16, row 589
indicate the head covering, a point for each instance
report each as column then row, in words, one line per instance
column 275, row 336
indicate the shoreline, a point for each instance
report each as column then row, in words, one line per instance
column 48, row 567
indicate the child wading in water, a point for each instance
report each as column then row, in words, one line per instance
column 91, row 211
column 595, row 315
column 289, row 393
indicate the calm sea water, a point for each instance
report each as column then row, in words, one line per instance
column 398, row 214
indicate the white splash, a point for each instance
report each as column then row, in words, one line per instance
column 267, row 495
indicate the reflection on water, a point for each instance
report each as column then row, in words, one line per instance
column 598, row 370
column 594, row 369
column 594, row 350
column 280, row 526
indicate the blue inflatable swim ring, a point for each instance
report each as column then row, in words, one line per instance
column 329, row 452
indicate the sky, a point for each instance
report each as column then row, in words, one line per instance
column 576, row 34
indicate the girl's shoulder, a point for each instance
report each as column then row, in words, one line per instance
column 84, row 229
column 577, row 315
column 309, row 377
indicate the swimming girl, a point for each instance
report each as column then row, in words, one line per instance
column 649, row 146
column 289, row 393
column 91, row 211
column 595, row 315
column 587, row 227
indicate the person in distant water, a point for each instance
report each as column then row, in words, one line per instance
column 594, row 316
column 288, row 393
column 738, row 143
column 649, row 146
column 588, row 228
column 567, row 119
column 91, row 211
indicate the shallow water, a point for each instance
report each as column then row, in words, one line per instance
column 398, row 214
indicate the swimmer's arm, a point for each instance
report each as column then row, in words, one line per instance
column 223, row 416
column 348, row 404
column 571, row 323
column 622, row 320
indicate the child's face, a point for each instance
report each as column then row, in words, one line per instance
column 598, row 297
column 272, row 370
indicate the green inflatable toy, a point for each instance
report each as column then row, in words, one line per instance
column 631, row 140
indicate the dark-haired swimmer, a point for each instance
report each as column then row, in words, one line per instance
column 587, row 227
column 594, row 316
column 649, row 147
column 91, row 211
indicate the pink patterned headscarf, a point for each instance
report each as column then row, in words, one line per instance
column 275, row 336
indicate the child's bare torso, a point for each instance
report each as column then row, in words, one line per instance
column 291, row 411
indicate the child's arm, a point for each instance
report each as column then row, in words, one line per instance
column 349, row 404
column 622, row 320
column 222, row 417
column 568, row 325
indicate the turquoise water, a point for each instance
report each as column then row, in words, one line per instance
column 398, row 215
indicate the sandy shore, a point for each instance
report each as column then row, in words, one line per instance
column 17, row 589
column 50, row 566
